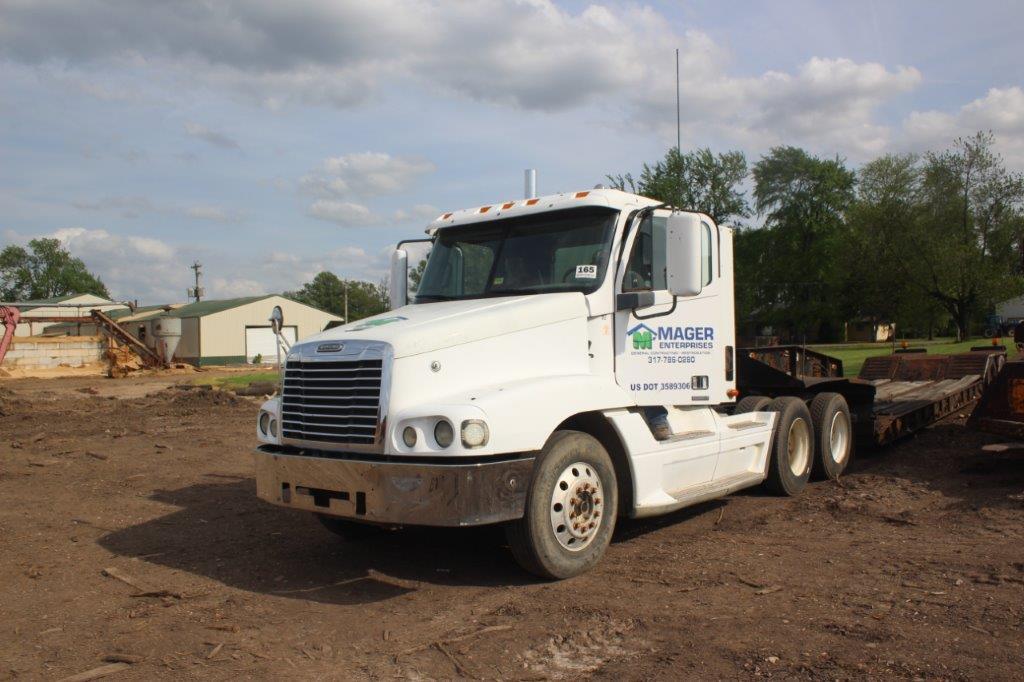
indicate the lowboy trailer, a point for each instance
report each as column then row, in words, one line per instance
column 892, row 396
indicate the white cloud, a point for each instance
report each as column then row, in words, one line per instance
column 365, row 174
column 132, row 267
column 153, row 271
column 132, row 207
column 125, row 206
column 344, row 213
column 1001, row 110
column 419, row 212
column 217, row 214
column 212, row 137
column 529, row 54
column 222, row 287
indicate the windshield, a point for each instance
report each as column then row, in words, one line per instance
column 542, row 253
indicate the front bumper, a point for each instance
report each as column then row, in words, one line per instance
column 403, row 493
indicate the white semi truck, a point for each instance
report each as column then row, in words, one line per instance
column 529, row 381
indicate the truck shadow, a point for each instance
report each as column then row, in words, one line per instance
column 627, row 529
column 948, row 458
column 224, row 532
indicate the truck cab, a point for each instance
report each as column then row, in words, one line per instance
column 566, row 360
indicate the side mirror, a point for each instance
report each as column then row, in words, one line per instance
column 277, row 319
column 683, row 254
column 399, row 278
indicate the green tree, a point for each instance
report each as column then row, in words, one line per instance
column 698, row 180
column 416, row 275
column 45, row 270
column 804, row 201
column 327, row 291
column 966, row 242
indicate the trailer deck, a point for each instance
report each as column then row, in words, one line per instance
column 892, row 396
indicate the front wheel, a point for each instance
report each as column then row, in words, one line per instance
column 571, row 506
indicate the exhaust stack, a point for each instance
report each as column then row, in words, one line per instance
column 530, row 183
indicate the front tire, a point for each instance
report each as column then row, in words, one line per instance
column 571, row 507
column 792, row 454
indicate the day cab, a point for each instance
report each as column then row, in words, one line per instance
column 566, row 360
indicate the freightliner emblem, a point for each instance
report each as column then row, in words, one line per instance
column 329, row 347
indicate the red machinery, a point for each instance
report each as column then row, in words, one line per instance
column 9, row 319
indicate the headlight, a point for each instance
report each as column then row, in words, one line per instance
column 475, row 433
column 444, row 434
column 409, row 437
column 264, row 423
column 273, row 428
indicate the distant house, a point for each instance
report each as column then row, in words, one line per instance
column 1012, row 309
column 869, row 331
column 48, row 307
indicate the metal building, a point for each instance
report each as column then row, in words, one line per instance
column 230, row 331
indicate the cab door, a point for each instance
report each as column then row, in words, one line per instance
column 671, row 350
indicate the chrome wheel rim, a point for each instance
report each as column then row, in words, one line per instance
column 577, row 503
column 839, row 438
column 799, row 446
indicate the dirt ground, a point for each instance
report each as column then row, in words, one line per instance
column 912, row 566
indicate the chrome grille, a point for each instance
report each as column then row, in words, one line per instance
column 333, row 402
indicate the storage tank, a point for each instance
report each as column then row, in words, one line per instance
column 167, row 332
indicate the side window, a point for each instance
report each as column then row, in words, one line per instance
column 706, row 254
column 645, row 270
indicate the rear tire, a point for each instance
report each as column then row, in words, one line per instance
column 833, row 435
column 571, row 507
column 792, row 455
column 752, row 403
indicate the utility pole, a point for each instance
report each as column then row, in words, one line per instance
column 197, row 293
column 346, row 301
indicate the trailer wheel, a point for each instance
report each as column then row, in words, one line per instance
column 752, row 403
column 833, row 435
column 571, row 506
column 792, row 447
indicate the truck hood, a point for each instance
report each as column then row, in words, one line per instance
column 426, row 327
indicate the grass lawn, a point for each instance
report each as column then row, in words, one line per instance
column 853, row 355
column 239, row 379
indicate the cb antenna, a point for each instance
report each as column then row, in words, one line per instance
column 679, row 140
column 679, row 136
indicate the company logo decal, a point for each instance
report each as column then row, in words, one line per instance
column 671, row 338
column 330, row 347
column 380, row 321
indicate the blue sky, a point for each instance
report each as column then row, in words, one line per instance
column 270, row 140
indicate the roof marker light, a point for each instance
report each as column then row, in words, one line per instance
column 508, row 205
column 580, row 195
column 485, row 209
column 446, row 216
column 531, row 202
